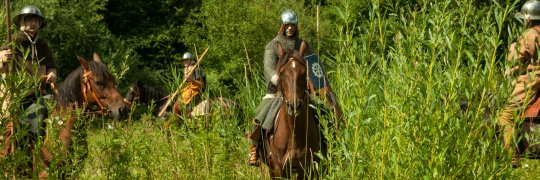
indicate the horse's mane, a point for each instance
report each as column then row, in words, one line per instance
column 150, row 93
column 288, row 54
column 70, row 90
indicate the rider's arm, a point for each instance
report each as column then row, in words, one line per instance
column 520, row 54
column 526, row 49
column 48, row 63
column 270, row 61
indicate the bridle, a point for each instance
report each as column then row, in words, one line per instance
column 135, row 94
column 86, row 86
column 300, row 101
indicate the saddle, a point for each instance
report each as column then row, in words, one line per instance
column 532, row 111
column 530, row 128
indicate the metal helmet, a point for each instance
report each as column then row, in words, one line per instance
column 289, row 17
column 29, row 10
column 529, row 11
column 187, row 56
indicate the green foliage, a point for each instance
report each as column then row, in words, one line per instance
column 152, row 28
column 400, row 70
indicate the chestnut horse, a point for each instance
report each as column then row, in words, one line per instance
column 89, row 86
column 291, row 145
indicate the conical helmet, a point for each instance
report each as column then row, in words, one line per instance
column 29, row 10
column 529, row 11
column 187, row 55
column 289, row 17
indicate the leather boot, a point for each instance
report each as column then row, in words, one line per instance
column 253, row 155
column 255, row 138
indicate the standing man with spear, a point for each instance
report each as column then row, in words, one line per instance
column 196, row 82
column 38, row 63
column 188, row 72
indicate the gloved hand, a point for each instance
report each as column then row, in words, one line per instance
column 50, row 78
column 274, row 79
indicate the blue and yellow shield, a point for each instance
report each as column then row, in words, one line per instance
column 317, row 75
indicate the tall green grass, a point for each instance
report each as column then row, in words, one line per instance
column 399, row 75
column 411, row 69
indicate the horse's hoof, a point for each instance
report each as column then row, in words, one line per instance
column 43, row 175
column 515, row 163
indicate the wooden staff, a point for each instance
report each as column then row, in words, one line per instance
column 11, row 147
column 8, row 21
column 179, row 87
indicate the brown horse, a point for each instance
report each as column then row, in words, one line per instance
column 89, row 86
column 291, row 145
column 146, row 94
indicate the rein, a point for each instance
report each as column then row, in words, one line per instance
column 137, row 95
column 87, row 86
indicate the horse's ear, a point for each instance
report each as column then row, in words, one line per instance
column 83, row 62
column 96, row 57
column 303, row 46
column 280, row 50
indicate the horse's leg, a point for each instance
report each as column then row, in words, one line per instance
column 275, row 170
column 275, row 166
column 302, row 173
column 8, row 144
column 46, row 156
column 177, row 111
column 65, row 135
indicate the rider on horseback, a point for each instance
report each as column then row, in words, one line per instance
column 196, row 83
column 525, row 58
column 30, row 20
column 288, row 38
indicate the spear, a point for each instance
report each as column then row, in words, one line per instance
column 178, row 89
column 8, row 21
column 11, row 146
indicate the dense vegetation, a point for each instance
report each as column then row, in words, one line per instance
column 399, row 68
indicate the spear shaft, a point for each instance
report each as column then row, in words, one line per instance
column 8, row 21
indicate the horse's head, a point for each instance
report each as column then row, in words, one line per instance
column 98, row 87
column 293, row 85
column 133, row 93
